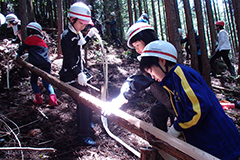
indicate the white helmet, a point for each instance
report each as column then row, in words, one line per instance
column 136, row 28
column 34, row 25
column 112, row 13
column 11, row 18
column 161, row 49
column 180, row 31
column 81, row 11
column 2, row 19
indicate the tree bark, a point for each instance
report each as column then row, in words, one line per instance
column 60, row 25
column 204, row 56
column 159, row 139
column 191, row 35
column 154, row 17
column 130, row 12
column 173, row 28
column 236, row 6
column 211, row 25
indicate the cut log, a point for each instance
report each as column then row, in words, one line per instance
column 157, row 138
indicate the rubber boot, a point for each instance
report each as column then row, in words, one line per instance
column 39, row 99
column 53, row 100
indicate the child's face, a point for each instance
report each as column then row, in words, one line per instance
column 155, row 71
column 139, row 46
column 78, row 25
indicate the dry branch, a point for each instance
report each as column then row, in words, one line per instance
column 26, row 149
column 157, row 138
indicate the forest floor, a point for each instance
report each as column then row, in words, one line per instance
column 27, row 125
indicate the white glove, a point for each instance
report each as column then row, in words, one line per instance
column 172, row 131
column 92, row 32
column 113, row 105
column 82, row 79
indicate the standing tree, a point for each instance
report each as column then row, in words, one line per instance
column 173, row 28
column 211, row 24
column 236, row 6
column 130, row 12
column 191, row 35
column 204, row 55
column 24, row 18
column 154, row 16
column 60, row 25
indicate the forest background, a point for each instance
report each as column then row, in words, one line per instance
column 165, row 16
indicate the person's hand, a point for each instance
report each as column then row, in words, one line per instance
column 172, row 131
column 112, row 106
column 82, row 79
column 92, row 32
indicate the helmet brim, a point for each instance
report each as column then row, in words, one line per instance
column 86, row 22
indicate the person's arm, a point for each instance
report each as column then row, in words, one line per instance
column 21, row 49
column 137, row 83
column 221, row 40
column 194, row 103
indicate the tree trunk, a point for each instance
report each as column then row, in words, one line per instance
column 24, row 18
column 204, row 56
column 233, row 31
column 135, row 11
column 118, row 7
column 140, row 7
column 191, row 35
column 159, row 139
column 211, row 25
column 177, row 14
column 154, row 17
column 60, row 25
column 130, row 12
column 173, row 28
column 160, row 20
column 236, row 6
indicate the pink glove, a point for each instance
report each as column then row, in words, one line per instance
column 82, row 79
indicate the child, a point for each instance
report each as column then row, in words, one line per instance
column 200, row 117
column 13, row 21
column 38, row 56
column 73, row 70
column 139, row 35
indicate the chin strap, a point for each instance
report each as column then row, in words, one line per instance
column 166, row 66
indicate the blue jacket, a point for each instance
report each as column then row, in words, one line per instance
column 200, row 116
column 37, row 49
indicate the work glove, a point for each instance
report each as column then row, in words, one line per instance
column 82, row 79
column 92, row 32
column 172, row 131
column 112, row 106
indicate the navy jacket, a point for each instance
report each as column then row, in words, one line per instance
column 37, row 49
column 200, row 116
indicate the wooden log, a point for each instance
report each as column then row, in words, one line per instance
column 156, row 137
column 148, row 153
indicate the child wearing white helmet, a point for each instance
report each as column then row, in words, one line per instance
column 13, row 21
column 38, row 56
column 73, row 69
column 138, row 36
column 199, row 115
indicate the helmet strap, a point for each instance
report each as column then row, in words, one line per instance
column 74, row 21
column 166, row 66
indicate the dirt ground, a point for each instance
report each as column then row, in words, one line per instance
column 27, row 125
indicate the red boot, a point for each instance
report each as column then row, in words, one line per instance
column 53, row 100
column 39, row 99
